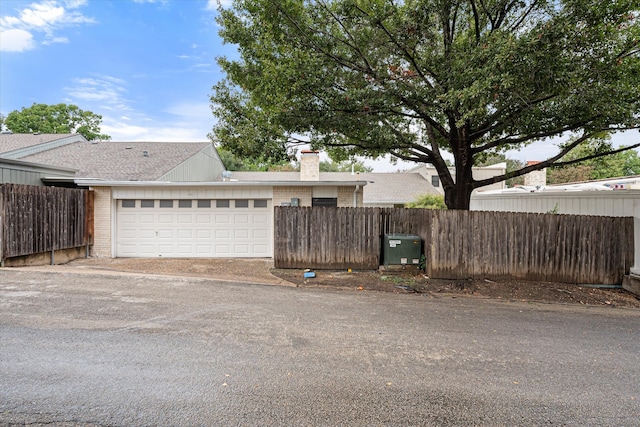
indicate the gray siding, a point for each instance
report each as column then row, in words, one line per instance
column 204, row 166
column 15, row 172
column 602, row 203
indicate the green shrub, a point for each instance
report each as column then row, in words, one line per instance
column 428, row 201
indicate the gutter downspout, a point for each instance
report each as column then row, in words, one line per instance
column 355, row 196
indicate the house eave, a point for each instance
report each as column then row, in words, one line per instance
column 104, row 183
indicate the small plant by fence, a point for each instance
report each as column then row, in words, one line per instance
column 43, row 219
column 460, row 244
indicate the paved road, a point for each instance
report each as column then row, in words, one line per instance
column 123, row 350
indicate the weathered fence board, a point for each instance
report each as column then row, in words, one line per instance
column 327, row 237
column 44, row 219
column 461, row 244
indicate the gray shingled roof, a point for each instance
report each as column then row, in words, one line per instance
column 119, row 161
column 382, row 188
column 15, row 141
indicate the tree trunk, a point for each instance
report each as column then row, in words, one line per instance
column 457, row 195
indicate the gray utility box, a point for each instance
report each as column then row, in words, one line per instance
column 401, row 249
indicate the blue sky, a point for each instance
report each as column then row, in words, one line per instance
column 146, row 66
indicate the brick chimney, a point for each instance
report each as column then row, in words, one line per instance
column 536, row 178
column 310, row 165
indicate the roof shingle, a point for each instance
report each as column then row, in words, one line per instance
column 119, row 161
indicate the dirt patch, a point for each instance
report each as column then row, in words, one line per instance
column 250, row 270
column 413, row 281
column 410, row 280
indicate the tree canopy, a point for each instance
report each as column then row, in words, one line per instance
column 618, row 164
column 421, row 78
column 58, row 118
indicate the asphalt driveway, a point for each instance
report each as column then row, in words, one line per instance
column 119, row 350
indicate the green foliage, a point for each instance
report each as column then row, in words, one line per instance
column 59, row 118
column 423, row 262
column 619, row 164
column 234, row 162
column 345, row 166
column 428, row 201
column 420, row 78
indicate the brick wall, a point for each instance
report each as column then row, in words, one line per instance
column 305, row 194
column 345, row 197
column 284, row 195
column 102, row 222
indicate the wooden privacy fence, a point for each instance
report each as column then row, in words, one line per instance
column 43, row 219
column 460, row 244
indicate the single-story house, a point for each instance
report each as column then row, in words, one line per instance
column 606, row 197
column 479, row 173
column 384, row 190
column 156, row 199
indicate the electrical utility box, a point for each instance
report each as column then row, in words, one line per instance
column 401, row 249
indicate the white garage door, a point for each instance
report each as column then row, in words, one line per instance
column 193, row 228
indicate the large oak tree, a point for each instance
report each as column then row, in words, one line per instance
column 421, row 78
column 57, row 118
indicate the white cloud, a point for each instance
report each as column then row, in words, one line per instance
column 183, row 122
column 48, row 17
column 42, row 15
column 106, row 89
column 213, row 4
column 16, row 40
column 56, row 40
column 74, row 4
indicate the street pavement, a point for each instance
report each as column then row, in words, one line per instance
column 133, row 350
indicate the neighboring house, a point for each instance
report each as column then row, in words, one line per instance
column 618, row 197
column 385, row 190
column 16, row 146
column 19, row 145
column 155, row 199
column 479, row 173
column 607, row 197
column 26, row 173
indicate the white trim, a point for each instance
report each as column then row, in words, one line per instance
column 100, row 183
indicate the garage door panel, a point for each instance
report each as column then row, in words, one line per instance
column 204, row 250
column 259, row 234
column 241, row 219
column 165, row 233
column 241, row 234
column 185, row 250
column 241, row 249
column 147, row 218
column 128, row 218
column 185, row 233
column 193, row 232
column 261, row 250
column 185, row 219
column 146, row 233
column 203, row 219
column 222, row 219
column 260, row 218
column 203, row 233
column 222, row 233
column 222, row 249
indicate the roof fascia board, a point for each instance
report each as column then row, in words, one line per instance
column 45, row 146
column 19, row 164
column 100, row 183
